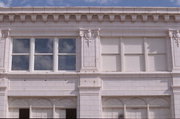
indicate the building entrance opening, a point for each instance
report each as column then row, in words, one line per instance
column 70, row 113
column 23, row 113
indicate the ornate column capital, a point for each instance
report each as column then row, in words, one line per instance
column 4, row 33
column 175, row 35
column 89, row 35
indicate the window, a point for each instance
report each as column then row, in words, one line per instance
column 157, row 54
column 20, row 56
column 67, row 57
column 111, row 54
column 133, row 54
column 44, row 54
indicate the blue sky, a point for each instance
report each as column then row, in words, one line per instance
column 137, row 3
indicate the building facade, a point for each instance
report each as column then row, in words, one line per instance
column 90, row 62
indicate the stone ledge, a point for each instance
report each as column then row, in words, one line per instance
column 77, row 74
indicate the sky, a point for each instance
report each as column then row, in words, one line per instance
column 122, row 3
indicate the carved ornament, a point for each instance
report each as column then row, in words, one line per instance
column 4, row 33
column 89, row 35
column 175, row 35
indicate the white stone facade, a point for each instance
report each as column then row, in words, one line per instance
column 127, row 63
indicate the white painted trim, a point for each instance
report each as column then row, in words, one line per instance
column 55, row 54
column 31, row 56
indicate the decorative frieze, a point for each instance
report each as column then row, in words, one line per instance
column 89, row 17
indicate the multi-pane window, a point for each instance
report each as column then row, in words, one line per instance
column 110, row 54
column 20, row 54
column 157, row 54
column 43, row 53
column 133, row 54
column 66, row 55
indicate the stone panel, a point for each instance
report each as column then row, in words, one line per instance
column 43, row 84
column 136, row 84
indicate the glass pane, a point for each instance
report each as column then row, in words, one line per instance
column 67, row 46
column 43, row 62
column 21, row 45
column 67, row 62
column 20, row 62
column 44, row 45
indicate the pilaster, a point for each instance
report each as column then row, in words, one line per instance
column 3, row 98
column 4, row 34
column 89, row 104
column 175, row 48
column 90, row 50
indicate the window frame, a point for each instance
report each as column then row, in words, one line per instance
column 42, row 54
column 19, row 54
column 67, row 54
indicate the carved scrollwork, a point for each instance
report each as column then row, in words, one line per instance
column 89, row 35
column 175, row 35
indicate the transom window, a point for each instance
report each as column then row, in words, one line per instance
column 44, row 54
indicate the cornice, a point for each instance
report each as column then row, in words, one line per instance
column 100, row 14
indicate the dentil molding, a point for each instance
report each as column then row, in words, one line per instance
column 88, row 14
